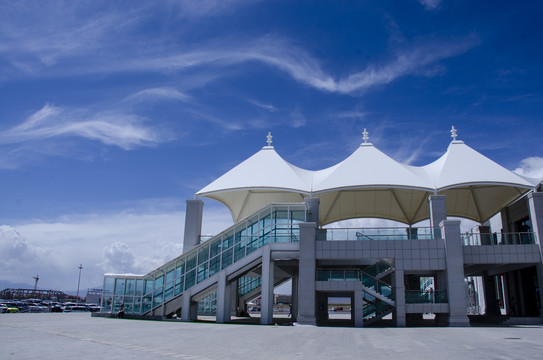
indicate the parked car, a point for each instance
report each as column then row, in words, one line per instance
column 10, row 308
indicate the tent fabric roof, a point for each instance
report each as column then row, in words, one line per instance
column 369, row 183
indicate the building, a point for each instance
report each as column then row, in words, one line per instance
column 282, row 232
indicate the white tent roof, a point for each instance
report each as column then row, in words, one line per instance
column 263, row 178
column 371, row 184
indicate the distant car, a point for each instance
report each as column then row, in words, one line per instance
column 56, row 308
column 9, row 308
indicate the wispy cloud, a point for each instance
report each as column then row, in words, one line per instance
column 110, row 128
column 165, row 93
column 430, row 4
column 89, row 49
column 261, row 105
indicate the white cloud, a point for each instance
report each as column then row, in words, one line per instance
column 430, row 4
column 261, row 105
column 166, row 93
column 416, row 60
column 111, row 128
column 131, row 241
column 531, row 167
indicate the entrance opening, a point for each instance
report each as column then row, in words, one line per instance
column 339, row 310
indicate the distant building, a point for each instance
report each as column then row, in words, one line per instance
column 282, row 231
column 94, row 296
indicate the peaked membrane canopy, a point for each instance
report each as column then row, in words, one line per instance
column 371, row 184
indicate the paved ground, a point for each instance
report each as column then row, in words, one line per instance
column 78, row 336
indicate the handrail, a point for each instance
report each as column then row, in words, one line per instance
column 383, row 233
column 518, row 238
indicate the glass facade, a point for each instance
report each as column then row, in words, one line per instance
column 139, row 294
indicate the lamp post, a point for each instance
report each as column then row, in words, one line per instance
column 79, row 281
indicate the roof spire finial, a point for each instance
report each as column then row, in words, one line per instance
column 454, row 133
column 269, row 138
column 365, row 136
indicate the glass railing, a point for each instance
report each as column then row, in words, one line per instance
column 140, row 293
column 246, row 284
column 521, row 238
column 425, row 297
column 368, row 281
column 343, row 234
column 373, row 307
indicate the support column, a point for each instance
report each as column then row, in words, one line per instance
column 307, row 270
column 399, row 290
column 456, row 288
column 189, row 311
column 266, row 306
column 193, row 224
column 358, row 308
column 223, row 299
column 535, row 202
column 312, row 205
column 491, row 298
column 294, row 299
column 438, row 212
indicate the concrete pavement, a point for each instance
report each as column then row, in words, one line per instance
column 79, row 336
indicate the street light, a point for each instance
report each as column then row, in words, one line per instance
column 79, row 281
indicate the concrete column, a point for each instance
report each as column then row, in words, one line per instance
column 189, row 311
column 223, row 299
column 399, row 290
column 456, row 288
column 486, row 235
column 491, row 298
column 312, row 205
column 266, row 306
column 307, row 269
column 438, row 212
column 358, row 308
column 535, row 203
column 193, row 224
column 294, row 299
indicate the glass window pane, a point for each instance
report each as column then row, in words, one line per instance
column 239, row 251
column 179, row 285
column 149, row 286
column 109, row 285
column 146, row 303
column 106, row 303
column 119, row 286
column 297, row 216
column 168, row 291
column 227, row 242
column 202, row 272
column 203, row 254
column 139, row 287
column 226, row 258
column 130, row 287
column 215, row 247
column 157, row 297
column 180, row 270
column 191, row 261
column 170, row 275
column 190, row 279
column 214, row 265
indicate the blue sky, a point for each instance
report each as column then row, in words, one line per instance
column 114, row 113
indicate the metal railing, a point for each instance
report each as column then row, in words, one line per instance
column 369, row 281
column 521, row 238
column 426, row 297
column 342, row 234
